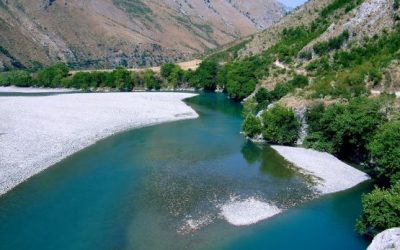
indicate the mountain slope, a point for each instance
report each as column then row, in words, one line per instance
column 105, row 33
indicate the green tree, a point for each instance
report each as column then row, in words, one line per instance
column 51, row 76
column 263, row 95
column 385, row 149
column 381, row 211
column 166, row 69
column 280, row 126
column 122, row 79
column 20, row 78
column 207, row 75
column 80, row 80
column 150, row 81
column 239, row 79
column 349, row 128
column 252, row 126
column 177, row 77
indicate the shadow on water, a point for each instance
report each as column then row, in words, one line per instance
column 269, row 161
column 162, row 187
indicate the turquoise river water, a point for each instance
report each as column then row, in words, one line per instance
column 142, row 188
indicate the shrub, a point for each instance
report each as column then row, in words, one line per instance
column 280, row 126
column 51, row 76
column 252, row 126
column 332, row 44
column 313, row 116
column 205, row 75
column 239, row 78
column 166, row 69
column 299, row 81
column 317, row 141
column 263, row 95
column 381, row 211
column 122, row 79
column 20, row 78
column 396, row 4
column 150, row 81
column 305, row 55
column 349, row 128
column 173, row 74
column 281, row 90
column 385, row 149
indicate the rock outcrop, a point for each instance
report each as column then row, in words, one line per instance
column 387, row 240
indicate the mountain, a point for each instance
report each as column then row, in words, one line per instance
column 107, row 33
column 344, row 48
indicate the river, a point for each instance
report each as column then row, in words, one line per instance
column 162, row 187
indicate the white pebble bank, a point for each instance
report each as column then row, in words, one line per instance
column 332, row 174
column 39, row 131
column 247, row 212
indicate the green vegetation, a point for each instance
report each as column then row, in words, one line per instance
column 150, row 80
column 385, row 150
column 58, row 76
column 396, row 4
column 359, row 131
column 346, row 72
column 52, row 76
column 381, row 210
column 134, row 7
column 20, row 78
column 332, row 44
column 345, row 130
column 240, row 77
column 264, row 97
column 252, row 126
column 205, row 76
column 173, row 74
column 280, row 126
column 339, row 4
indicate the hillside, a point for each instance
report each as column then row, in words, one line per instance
column 107, row 33
column 344, row 49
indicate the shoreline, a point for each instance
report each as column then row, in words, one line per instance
column 34, row 90
column 36, row 135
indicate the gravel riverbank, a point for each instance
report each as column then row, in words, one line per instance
column 37, row 132
column 331, row 174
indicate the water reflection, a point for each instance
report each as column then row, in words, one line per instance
column 270, row 162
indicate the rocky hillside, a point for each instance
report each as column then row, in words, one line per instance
column 107, row 33
column 369, row 18
column 343, row 47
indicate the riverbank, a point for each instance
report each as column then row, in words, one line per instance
column 331, row 174
column 37, row 132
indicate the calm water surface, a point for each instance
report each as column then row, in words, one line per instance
column 141, row 188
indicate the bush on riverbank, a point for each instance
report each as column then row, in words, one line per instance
column 205, row 76
column 20, row 78
column 280, row 126
column 252, row 126
column 381, row 210
column 385, row 150
column 345, row 129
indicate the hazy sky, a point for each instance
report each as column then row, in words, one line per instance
column 292, row 3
